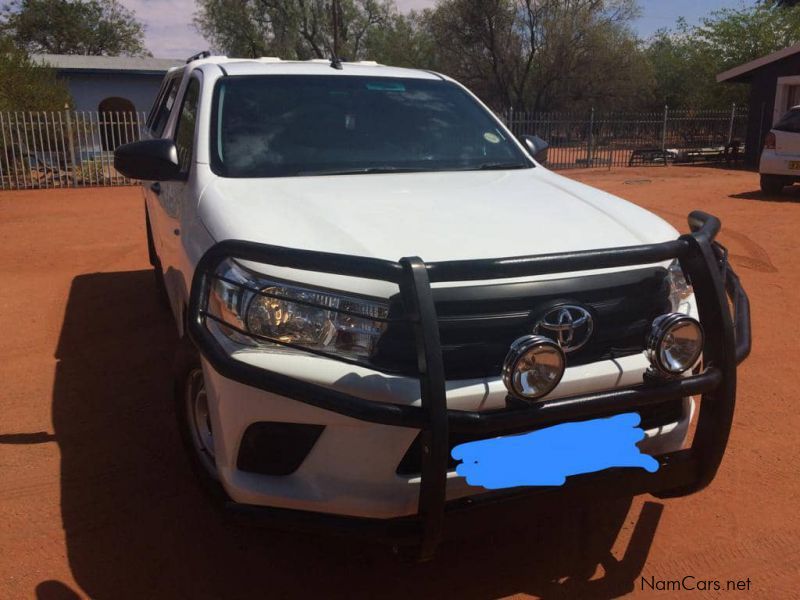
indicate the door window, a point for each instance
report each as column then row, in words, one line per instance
column 154, row 109
column 161, row 112
column 184, row 134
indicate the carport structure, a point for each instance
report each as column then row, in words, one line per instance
column 774, row 88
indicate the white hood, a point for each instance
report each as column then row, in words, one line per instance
column 436, row 216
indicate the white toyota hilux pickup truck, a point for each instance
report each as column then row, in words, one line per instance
column 367, row 269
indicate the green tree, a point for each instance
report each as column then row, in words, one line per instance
column 543, row 55
column 529, row 54
column 292, row 29
column 735, row 36
column 687, row 60
column 679, row 64
column 403, row 41
column 95, row 27
column 27, row 85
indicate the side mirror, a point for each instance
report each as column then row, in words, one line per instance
column 148, row 160
column 536, row 146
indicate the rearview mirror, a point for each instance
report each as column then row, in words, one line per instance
column 536, row 147
column 148, row 160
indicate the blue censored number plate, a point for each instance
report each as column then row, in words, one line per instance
column 548, row 456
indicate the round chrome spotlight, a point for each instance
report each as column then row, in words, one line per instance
column 675, row 344
column 533, row 367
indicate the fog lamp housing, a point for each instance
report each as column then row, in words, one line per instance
column 533, row 367
column 675, row 344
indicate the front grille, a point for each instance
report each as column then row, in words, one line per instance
column 478, row 324
column 653, row 416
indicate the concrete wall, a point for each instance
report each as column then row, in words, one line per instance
column 89, row 89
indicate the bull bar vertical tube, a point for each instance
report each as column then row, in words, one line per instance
column 416, row 293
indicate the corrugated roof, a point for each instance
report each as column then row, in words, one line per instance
column 132, row 64
column 745, row 69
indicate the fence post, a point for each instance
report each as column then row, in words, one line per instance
column 71, row 149
column 664, row 132
column 733, row 121
column 590, row 140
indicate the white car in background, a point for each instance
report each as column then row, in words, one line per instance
column 780, row 159
column 326, row 370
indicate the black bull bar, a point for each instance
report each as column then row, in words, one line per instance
column 728, row 343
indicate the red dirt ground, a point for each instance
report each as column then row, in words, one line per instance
column 96, row 499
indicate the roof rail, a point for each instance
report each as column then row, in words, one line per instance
column 198, row 56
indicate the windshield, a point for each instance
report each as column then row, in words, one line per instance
column 279, row 126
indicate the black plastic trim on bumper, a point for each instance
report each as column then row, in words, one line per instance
column 705, row 263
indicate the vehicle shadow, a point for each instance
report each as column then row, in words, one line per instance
column 137, row 526
column 721, row 165
column 55, row 590
column 789, row 194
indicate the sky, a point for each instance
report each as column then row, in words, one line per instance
column 171, row 34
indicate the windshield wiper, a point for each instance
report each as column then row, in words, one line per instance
column 362, row 170
column 490, row 166
column 498, row 166
column 493, row 166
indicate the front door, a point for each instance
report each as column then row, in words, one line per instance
column 173, row 196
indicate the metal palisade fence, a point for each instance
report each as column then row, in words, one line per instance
column 43, row 150
column 593, row 139
column 76, row 148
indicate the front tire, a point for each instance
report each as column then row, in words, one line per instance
column 194, row 419
column 773, row 184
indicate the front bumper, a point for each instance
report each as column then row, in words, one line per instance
column 681, row 472
column 355, row 467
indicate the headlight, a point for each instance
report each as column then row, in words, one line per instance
column 675, row 344
column 533, row 367
column 253, row 310
column 680, row 290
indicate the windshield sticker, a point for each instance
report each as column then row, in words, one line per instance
column 492, row 138
column 548, row 456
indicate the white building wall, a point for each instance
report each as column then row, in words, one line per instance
column 89, row 89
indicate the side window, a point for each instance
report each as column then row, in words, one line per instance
column 157, row 103
column 167, row 101
column 184, row 134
